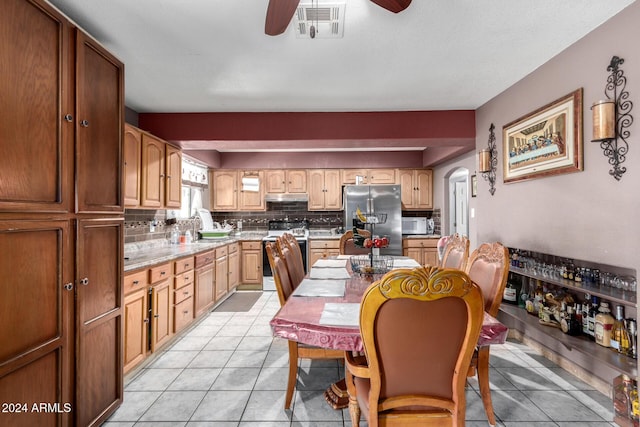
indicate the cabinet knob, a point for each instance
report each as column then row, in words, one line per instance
column 186, row 277
column 145, row 321
column 185, row 312
column 84, row 281
column 68, row 286
column 84, row 123
column 162, row 273
column 155, row 316
column 136, row 282
column 68, row 118
column 185, row 293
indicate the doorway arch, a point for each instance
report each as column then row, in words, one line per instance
column 456, row 199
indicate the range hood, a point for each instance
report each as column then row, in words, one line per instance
column 287, row 197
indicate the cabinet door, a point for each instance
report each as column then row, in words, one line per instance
column 173, row 177
column 35, row 354
column 251, row 200
column 349, row 176
column 252, row 267
column 415, row 253
column 99, row 270
column 204, row 290
column 333, row 190
column 316, row 189
column 162, row 314
column 296, row 181
column 424, row 195
column 132, row 162
column 153, row 167
column 407, row 187
column 136, row 325
column 225, row 196
column 430, row 257
column 275, row 181
column 222, row 276
column 234, row 270
column 382, row 176
column 36, row 149
column 99, row 128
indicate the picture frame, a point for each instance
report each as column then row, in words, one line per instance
column 545, row 142
column 474, row 185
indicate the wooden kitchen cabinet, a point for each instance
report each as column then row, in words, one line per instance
column 369, row 176
column 161, row 172
column 221, row 272
column 319, row 249
column 423, row 251
column 136, row 318
column 161, row 305
column 132, row 162
column 204, row 291
column 228, row 194
column 251, row 263
column 251, row 200
column 173, row 177
column 234, row 267
column 285, row 181
column 63, row 171
column 416, row 188
column 183, row 302
column 325, row 189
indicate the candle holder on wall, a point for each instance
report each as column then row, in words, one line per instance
column 488, row 161
column 612, row 118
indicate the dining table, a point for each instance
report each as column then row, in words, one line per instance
column 323, row 311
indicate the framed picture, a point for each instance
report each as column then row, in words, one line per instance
column 474, row 185
column 545, row 142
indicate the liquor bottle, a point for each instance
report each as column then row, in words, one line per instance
column 585, row 314
column 591, row 319
column 569, row 324
column 603, row 325
column 619, row 334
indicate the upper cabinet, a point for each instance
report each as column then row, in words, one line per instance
column 68, row 93
column 285, row 181
column 152, row 171
column 325, row 189
column 369, row 176
column 417, row 191
column 234, row 190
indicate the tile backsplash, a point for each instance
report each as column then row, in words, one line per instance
column 143, row 224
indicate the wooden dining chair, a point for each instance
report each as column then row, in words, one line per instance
column 296, row 351
column 293, row 263
column 419, row 328
column 295, row 246
column 347, row 247
column 456, row 253
column 488, row 267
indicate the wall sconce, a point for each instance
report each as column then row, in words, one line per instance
column 611, row 119
column 488, row 161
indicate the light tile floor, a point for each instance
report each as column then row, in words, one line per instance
column 229, row 371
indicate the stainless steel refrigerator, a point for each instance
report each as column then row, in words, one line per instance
column 376, row 199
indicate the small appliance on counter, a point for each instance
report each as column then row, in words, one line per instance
column 417, row 225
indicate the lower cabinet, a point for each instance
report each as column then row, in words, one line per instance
column 136, row 318
column 161, row 313
column 183, row 293
column 319, row 249
column 221, row 272
column 424, row 251
column 234, row 267
column 251, row 263
column 204, row 282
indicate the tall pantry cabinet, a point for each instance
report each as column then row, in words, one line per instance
column 61, row 220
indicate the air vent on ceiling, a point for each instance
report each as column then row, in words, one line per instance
column 326, row 19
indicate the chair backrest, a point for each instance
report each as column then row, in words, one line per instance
column 456, row 253
column 280, row 273
column 347, row 247
column 294, row 266
column 290, row 239
column 488, row 266
column 420, row 327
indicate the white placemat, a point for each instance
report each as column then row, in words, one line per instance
column 347, row 314
column 320, row 288
column 330, row 263
column 344, row 256
column 329, row 273
column 405, row 263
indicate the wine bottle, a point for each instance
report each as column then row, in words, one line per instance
column 619, row 334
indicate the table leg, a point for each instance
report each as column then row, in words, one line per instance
column 483, row 383
column 354, row 408
column 336, row 395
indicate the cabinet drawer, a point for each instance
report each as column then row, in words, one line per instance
column 136, row 281
column 233, row 248
column 251, row 246
column 204, row 258
column 420, row 243
column 183, row 279
column 182, row 314
column 221, row 252
column 183, row 293
column 183, row 265
column 160, row 272
column 322, row 244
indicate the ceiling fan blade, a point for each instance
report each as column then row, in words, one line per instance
column 279, row 14
column 394, row 6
